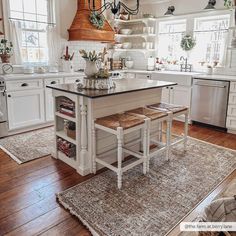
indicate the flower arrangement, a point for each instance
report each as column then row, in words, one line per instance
column 6, row 50
column 92, row 61
column 97, row 19
column 228, row 3
column 187, row 42
column 93, row 56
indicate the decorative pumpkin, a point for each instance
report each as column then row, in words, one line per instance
column 97, row 19
column 187, row 42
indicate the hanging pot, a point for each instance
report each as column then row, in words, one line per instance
column 91, row 68
column 5, row 58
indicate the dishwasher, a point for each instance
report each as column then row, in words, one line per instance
column 210, row 102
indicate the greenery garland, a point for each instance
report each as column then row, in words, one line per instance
column 97, row 20
column 187, row 42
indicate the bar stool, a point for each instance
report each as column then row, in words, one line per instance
column 176, row 111
column 156, row 117
column 121, row 125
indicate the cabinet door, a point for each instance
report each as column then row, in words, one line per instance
column 165, row 97
column 143, row 76
column 72, row 80
column 25, row 108
column 180, row 95
column 49, row 106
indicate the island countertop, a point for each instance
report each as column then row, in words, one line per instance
column 122, row 86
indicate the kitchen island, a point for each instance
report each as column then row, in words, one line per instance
column 82, row 106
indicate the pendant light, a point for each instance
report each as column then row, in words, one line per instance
column 170, row 11
column 114, row 6
column 211, row 5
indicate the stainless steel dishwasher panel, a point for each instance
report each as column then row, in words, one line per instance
column 209, row 102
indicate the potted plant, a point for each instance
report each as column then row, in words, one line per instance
column 92, row 58
column 6, row 49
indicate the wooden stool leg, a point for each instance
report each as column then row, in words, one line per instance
column 120, row 137
column 94, row 149
column 185, row 131
column 168, row 137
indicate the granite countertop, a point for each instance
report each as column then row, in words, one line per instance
column 41, row 76
column 122, row 86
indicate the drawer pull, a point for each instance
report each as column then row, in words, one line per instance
column 77, row 81
column 24, row 85
column 53, row 82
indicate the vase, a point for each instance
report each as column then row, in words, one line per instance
column 91, row 68
column 67, row 66
column 5, row 58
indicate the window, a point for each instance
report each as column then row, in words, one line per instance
column 170, row 35
column 211, row 38
column 34, row 16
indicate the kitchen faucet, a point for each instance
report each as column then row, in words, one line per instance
column 185, row 67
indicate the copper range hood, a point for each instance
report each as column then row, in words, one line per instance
column 82, row 29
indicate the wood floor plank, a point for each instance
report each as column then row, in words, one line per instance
column 41, row 223
column 70, row 226
column 7, row 184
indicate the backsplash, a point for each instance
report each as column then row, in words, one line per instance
column 75, row 46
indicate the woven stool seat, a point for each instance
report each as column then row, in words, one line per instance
column 123, row 120
column 166, row 107
column 147, row 112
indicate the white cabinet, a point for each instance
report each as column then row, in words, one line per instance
column 143, row 76
column 181, row 95
column 165, row 97
column 25, row 108
column 71, row 80
column 231, row 114
column 49, row 108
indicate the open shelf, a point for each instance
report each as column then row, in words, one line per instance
column 65, row 117
column 135, row 20
column 69, row 161
column 134, row 35
column 134, row 50
column 62, row 135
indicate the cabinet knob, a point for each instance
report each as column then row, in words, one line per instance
column 77, row 81
column 171, row 88
column 53, row 82
column 9, row 96
column 167, row 87
column 24, row 85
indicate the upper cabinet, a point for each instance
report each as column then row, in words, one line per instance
column 82, row 28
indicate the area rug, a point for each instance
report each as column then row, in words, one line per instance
column 29, row 146
column 152, row 204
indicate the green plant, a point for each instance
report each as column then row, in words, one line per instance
column 187, row 42
column 93, row 56
column 228, row 3
column 97, row 20
column 5, row 47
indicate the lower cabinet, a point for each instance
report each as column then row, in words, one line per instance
column 25, row 108
column 179, row 95
column 49, row 106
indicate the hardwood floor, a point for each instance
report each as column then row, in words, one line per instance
column 28, row 204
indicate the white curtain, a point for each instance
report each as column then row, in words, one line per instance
column 54, row 45
column 16, row 38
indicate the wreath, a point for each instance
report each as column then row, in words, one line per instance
column 97, row 19
column 187, row 42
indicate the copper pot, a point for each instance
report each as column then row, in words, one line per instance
column 5, row 58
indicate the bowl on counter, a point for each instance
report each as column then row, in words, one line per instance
column 126, row 31
column 127, row 45
column 129, row 64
